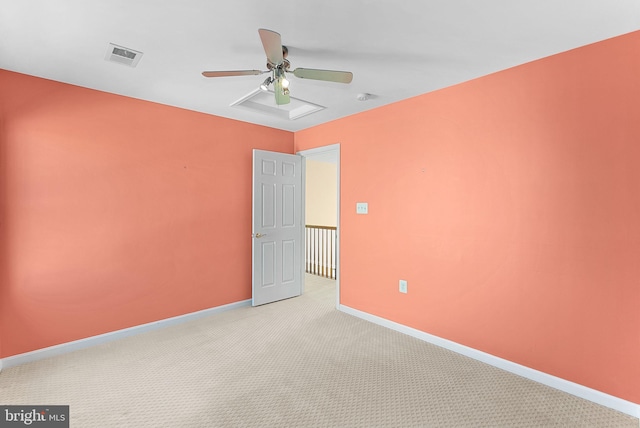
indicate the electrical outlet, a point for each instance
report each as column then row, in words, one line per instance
column 402, row 286
column 362, row 208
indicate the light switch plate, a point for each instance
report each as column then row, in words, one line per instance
column 362, row 208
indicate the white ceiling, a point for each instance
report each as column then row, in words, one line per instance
column 396, row 49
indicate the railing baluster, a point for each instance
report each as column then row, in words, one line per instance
column 326, row 253
column 319, row 247
column 322, row 253
column 315, row 247
column 331, row 254
column 307, row 249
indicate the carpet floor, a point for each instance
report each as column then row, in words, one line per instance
column 295, row 363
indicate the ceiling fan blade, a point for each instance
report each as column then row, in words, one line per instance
column 232, row 73
column 272, row 43
column 328, row 75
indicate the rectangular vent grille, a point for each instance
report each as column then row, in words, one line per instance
column 122, row 55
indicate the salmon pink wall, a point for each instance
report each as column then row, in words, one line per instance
column 3, row 233
column 511, row 204
column 118, row 212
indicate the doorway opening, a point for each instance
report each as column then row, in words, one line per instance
column 322, row 213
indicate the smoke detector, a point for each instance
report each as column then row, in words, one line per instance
column 363, row 97
column 122, row 55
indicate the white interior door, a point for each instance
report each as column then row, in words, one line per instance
column 278, row 230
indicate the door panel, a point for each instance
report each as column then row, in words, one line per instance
column 288, row 205
column 278, row 230
column 269, row 206
column 288, row 260
column 268, row 273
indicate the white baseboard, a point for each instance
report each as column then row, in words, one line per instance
column 64, row 348
column 578, row 390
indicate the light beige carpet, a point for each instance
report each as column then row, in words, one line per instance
column 296, row 363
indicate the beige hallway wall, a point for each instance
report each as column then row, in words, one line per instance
column 321, row 193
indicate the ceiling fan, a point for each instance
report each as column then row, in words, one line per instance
column 278, row 65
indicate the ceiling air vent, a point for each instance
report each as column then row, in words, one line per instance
column 122, row 55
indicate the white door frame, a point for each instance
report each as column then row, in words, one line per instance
column 317, row 152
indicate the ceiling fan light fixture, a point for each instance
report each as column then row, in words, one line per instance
column 266, row 83
column 285, row 82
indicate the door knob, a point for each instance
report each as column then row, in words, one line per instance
column 260, row 235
